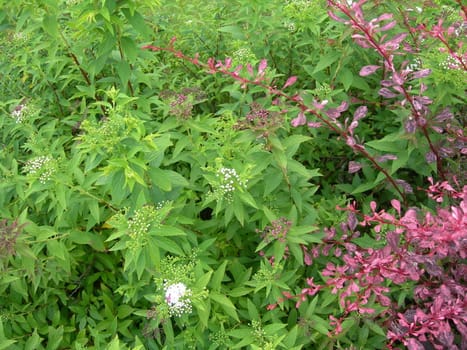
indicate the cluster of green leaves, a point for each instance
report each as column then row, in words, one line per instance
column 122, row 171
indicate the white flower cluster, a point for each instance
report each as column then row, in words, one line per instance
column 19, row 113
column 300, row 3
column 139, row 224
column 177, row 297
column 291, row 27
column 228, row 179
column 42, row 166
column 450, row 63
column 243, row 55
column 415, row 65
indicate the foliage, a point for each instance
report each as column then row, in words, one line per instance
column 192, row 175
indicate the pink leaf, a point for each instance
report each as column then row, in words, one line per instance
column 343, row 106
column 396, row 205
column 421, row 73
column 384, row 17
column 249, row 68
column 334, row 17
column 320, row 105
column 386, row 157
column 394, row 43
column 397, row 79
column 354, row 167
column 360, row 113
column 368, row 70
column 388, row 26
column 262, row 66
column 299, row 120
column 290, row 81
column 385, row 92
column 314, row 124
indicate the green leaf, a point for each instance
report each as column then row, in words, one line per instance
column 218, row 276
column 225, row 303
column 55, row 336
column 130, row 49
column 239, row 211
column 390, row 143
column 56, row 249
column 236, row 31
column 50, row 25
column 123, row 71
column 292, row 143
column 168, row 245
column 161, row 178
column 346, row 77
column 203, row 281
column 291, row 338
column 4, row 342
column 252, row 311
column 320, row 324
column 311, row 308
column 375, row 328
column 33, row 341
column 367, row 241
column 94, row 240
column 247, row 198
column 167, row 231
column 325, row 61
column 271, row 182
column 114, row 344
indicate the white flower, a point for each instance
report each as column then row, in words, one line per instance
column 43, row 167
column 177, row 297
column 19, row 113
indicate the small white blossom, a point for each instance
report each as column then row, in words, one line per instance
column 415, row 65
column 228, row 180
column 42, row 166
column 290, row 26
column 450, row 63
column 19, row 113
column 177, row 297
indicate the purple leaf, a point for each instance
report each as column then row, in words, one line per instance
column 314, row 124
column 352, row 221
column 360, row 113
column 334, row 17
column 354, row 167
column 249, row 68
column 299, row 120
column 368, row 70
column 353, row 126
column 444, row 115
column 384, row 17
column 385, row 92
column 396, row 205
column 405, row 185
column 290, row 81
column 332, row 113
column 320, row 105
column 410, row 126
column 421, row 73
column 343, row 106
column 386, row 83
column 397, row 78
column 394, row 43
column 430, row 157
column 388, row 26
column 262, row 66
column 350, row 141
column 386, row 157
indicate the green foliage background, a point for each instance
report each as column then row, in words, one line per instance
column 115, row 190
